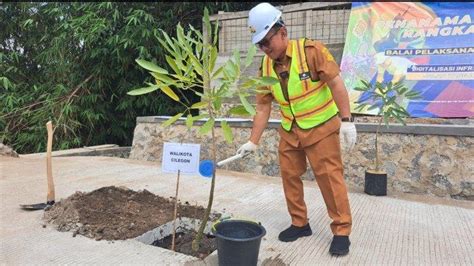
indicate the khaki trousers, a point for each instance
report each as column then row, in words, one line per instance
column 322, row 148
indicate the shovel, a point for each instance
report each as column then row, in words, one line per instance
column 206, row 167
column 49, row 172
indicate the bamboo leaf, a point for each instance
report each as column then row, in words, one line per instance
column 172, row 120
column 227, row 131
column 207, row 126
column 151, row 66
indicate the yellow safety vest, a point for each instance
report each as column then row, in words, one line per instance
column 310, row 102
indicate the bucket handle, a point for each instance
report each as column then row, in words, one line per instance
column 213, row 228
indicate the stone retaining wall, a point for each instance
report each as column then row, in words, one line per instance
column 423, row 159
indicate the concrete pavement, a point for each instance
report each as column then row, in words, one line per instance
column 386, row 230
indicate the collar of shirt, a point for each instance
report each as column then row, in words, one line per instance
column 289, row 51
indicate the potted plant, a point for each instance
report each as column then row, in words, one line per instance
column 192, row 58
column 387, row 98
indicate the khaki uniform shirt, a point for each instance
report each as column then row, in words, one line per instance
column 323, row 67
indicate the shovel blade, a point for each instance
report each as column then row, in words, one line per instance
column 37, row 206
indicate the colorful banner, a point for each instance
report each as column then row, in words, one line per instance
column 429, row 46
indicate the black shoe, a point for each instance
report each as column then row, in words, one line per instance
column 340, row 245
column 294, row 232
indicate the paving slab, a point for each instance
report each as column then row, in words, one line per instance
column 386, row 230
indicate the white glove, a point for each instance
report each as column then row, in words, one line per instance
column 247, row 148
column 348, row 136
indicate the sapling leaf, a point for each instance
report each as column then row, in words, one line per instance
column 172, row 64
column 268, row 81
column 250, row 55
column 168, row 91
column 151, row 66
column 239, row 110
column 172, row 120
column 189, row 121
column 162, row 78
column 144, row 90
column 247, row 105
column 199, row 105
column 227, row 131
column 206, row 126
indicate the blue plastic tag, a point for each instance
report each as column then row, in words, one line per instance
column 206, row 167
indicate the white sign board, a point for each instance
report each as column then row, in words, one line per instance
column 184, row 157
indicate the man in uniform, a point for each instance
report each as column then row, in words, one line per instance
column 313, row 101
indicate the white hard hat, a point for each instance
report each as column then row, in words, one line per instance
column 261, row 19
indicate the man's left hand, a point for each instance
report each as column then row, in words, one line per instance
column 348, row 136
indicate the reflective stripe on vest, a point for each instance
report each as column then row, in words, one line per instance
column 310, row 103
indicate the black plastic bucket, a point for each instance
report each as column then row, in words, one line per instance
column 238, row 241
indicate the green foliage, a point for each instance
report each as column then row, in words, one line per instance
column 192, row 62
column 388, row 99
column 73, row 63
column 192, row 57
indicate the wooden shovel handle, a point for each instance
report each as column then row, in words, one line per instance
column 49, row 170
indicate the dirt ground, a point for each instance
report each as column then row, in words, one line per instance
column 113, row 213
column 183, row 243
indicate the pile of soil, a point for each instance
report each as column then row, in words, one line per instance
column 6, row 150
column 116, row 213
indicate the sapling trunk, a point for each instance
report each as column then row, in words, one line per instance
column 175, row 212
column 205, row 218
column 207, row 87
column 377, row 159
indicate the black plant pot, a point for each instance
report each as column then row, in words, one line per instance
column 375, row 183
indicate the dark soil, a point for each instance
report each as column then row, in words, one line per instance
column 183, row 244
column 113, row 213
